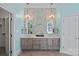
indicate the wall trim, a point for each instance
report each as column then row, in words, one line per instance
column 71, row 54
column 18, row 52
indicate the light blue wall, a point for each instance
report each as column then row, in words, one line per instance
column 65, row 10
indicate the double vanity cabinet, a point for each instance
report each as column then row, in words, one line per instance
column 40, row 43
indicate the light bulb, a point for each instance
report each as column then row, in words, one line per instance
column 27, row 16
column 51, row 16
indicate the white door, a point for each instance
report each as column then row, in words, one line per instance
column 7, row 35
column 72, row 34
column 11, row 35
column 1, row 40
column 70, row 44
column 2, row 36
column 77, row 34
column 66, row 34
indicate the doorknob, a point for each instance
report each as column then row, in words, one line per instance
column 3, row 33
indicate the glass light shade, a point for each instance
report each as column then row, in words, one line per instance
column 27, row 16
column 52, row 16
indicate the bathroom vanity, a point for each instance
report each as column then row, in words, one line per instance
column 31, row 42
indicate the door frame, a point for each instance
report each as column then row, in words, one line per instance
column 13, row 28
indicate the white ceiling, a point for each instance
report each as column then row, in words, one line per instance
column 39, row 5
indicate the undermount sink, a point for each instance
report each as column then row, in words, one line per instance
column 38, row 35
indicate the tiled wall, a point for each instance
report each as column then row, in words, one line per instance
column 39, row 18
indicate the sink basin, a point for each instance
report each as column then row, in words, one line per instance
column 39, row 35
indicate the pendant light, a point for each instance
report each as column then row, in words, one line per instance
column 51, row 16
column 27, row 16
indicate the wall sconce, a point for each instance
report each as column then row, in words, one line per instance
column 27, row 16
column 52, row 16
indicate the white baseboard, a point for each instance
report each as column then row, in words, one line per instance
column 65, row 52
column 70, row 53
column 17, row 53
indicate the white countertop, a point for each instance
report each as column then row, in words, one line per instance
column 45, row 36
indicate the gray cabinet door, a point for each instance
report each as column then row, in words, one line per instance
column 29, row 43
column 53, row 44
column 36, row 43
column 24, row 43
column 43, row 43
column 50, row 46
column 56, row 44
